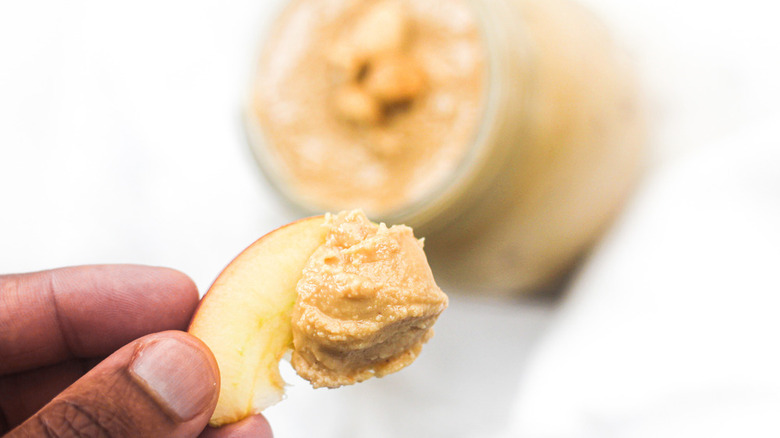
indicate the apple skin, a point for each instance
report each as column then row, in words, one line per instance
column 244, row 317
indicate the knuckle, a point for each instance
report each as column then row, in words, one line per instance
column 69, row 418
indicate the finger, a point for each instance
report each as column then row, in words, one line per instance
column 255, row 426
column 87, row 311
column 22, row 394
column 162, row 385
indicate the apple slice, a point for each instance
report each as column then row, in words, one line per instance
column 244, row 317
column 351, row 298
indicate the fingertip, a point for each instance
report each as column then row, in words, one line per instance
column 255, row 426
column 180, row 280
column 179, row 372
column 170, row 280
column 182, row 285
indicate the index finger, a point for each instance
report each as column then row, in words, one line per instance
column 87, row 311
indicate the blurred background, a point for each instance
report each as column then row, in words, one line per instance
column 121, row 142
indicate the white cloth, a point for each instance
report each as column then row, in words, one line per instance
column 672, row 328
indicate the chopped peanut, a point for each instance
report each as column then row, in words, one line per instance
column 395, row 78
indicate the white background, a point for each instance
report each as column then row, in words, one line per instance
column 121, row 141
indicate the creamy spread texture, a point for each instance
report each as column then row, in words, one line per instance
column 369, row 104
column 366, row 303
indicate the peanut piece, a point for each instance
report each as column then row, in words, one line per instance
column 357, row 106
column 394, row 78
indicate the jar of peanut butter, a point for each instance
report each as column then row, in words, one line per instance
column 507, row 132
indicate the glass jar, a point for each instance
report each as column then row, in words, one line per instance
column 557, row 148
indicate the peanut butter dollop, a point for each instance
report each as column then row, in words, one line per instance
column 366, row 303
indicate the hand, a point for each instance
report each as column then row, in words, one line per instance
column 56, row 329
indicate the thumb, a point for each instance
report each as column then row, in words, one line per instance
column 164, row 384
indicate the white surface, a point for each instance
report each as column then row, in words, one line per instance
column 671, row 329
column 120, row 141
column 120, row 135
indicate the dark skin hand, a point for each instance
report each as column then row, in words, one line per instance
column 98, row 351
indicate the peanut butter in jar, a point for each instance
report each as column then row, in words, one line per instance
column 507, row 132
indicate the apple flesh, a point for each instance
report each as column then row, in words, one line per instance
column 244, row 318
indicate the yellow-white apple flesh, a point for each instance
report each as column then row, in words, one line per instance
column 244, row 317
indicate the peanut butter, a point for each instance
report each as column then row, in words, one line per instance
column 366, row 303
column 369, row 104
